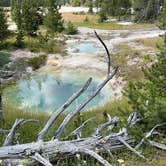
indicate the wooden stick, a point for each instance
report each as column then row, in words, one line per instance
column 81, row 106
column 18, row 122
column 57, row 113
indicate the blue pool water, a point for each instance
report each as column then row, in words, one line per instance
column 48, row 92
column 87, row 48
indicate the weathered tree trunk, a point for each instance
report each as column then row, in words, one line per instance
column 52, row 148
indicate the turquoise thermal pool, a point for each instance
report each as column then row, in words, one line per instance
column 47, row 92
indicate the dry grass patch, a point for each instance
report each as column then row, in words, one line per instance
column 79, row 17
column 151, row 42
column 112, row 25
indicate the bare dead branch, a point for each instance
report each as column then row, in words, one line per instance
column 134, row 118
column 78, row 131
column 108, row 59
column 109, row 152
column 81, row 106
column 18, row 122
column 111, row 122
column 149, row 134
column 129, row 147
column 95, row 155
column 157, row 145
column 54, row 147
column 41, row 160
column 57, row 113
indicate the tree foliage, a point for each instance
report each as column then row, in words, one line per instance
column 53, row 20
column 113, row 7
column 28, row 10
column 30, row 16
column 149, row 95
column 3, row 25
column 16, row 10
column 147, row 10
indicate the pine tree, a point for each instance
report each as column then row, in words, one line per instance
column 28, row 11
column 147, row 10
column 30, row 15
column 149, row 95
column 103, row 13
column 113, row 8
column 122, row 8
column 53, row 20
column 16, row 9
column 3, row 25
column 90, row 5
column 75, row 2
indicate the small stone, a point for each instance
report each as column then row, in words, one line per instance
column 78, row 156
column 120, row 161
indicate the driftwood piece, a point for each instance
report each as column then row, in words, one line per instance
column 149, row 134
column 57, row 113
column 129, row 147
column 41, row 160
column 157, row 145
column 81, row 106
column 11, row 136
column 111, row 124
column 78, row 131
column 108, row 59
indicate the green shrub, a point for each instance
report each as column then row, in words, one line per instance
column 70, row 29
column 4, row 58
column 19, row 40
column 45, row 44
column 37, row 62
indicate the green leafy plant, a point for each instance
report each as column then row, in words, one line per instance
column 4, row 59
column 70, row 29
column 37, row 62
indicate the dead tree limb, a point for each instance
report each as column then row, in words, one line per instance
column 108, row 59
column 18, row 122
column 149, row 134
column 111, row 123
column 81, row 106
column 129, row 147
column 78, row 131
column 41, row 160
column 157, row 145
column 58, row 112
column 95, row 155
